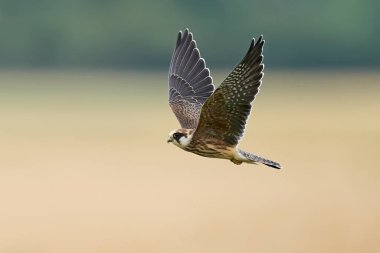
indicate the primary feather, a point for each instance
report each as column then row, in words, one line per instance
column 190, row 83
column 225, row 113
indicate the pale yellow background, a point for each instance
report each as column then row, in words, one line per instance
column 85, row 167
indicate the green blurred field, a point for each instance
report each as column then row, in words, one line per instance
column 85, row 167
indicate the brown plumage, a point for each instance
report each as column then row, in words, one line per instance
column 213, row 122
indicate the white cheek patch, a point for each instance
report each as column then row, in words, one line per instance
column 184, row 141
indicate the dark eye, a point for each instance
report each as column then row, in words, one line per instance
column 176, row 136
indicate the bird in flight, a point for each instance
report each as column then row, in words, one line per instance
column 212, row 122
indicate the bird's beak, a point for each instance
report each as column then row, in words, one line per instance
column 169, row 140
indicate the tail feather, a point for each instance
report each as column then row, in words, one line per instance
column 257, row 159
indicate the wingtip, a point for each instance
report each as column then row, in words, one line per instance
column 260, row 41
column 186, row 29
column 179, row 38
column 186, row 32
column 184, row 35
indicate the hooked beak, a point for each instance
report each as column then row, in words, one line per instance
column 169, row 140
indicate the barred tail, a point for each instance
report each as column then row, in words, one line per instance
column 257, row 159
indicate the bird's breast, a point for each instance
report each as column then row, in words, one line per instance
column 210, row 148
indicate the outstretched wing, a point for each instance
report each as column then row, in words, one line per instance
column 190, row 83
column 225, row 113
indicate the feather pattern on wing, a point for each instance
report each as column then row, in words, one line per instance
column 190, row 83
column 224, row 115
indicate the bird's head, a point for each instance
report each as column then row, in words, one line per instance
column 181, row 137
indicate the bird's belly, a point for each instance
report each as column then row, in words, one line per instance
column 213, row 151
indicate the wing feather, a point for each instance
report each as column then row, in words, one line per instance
column 190, row 83
column 225, row 113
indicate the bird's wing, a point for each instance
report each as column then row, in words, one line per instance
column 190, row 83
column 225, row 113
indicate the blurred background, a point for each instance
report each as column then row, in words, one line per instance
column 84, row 164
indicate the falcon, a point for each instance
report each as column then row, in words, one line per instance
column 212, row 122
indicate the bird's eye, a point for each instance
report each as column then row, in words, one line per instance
column 177, row 136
